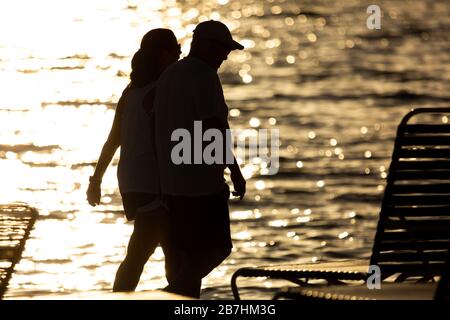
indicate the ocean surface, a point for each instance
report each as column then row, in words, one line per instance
column 335, row 89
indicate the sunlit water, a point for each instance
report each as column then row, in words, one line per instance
column 335, row 90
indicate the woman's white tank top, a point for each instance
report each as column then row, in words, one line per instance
column 137, row 170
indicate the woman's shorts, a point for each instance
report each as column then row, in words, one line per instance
column 133, row 201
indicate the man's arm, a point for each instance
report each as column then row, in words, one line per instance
column 209, row 100
column 236, row 175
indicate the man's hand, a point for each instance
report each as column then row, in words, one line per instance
column 238, row 184
column 93, row 193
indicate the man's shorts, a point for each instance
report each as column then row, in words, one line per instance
column 197, row 222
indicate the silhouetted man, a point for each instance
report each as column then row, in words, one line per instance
column 198, row 235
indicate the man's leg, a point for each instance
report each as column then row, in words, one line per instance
column 185, row 270
column 181, row 276
column 202, row 241
column 142, row 244
column 176, row 257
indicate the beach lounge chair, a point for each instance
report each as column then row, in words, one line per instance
column 16, row 222
column 387, row 291
column 413, row 231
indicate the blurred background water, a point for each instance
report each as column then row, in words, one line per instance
column 312, row 69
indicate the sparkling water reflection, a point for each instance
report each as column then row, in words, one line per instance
column 335, row 89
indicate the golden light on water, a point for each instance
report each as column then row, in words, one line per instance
column 64, row 64
column 63, row 67
column 60, row 62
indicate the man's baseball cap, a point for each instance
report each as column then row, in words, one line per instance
column 215, row 30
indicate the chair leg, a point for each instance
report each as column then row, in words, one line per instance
column 234, row 287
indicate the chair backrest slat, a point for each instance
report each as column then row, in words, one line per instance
column 425, row 128
column 413, row 232
column 407, row 245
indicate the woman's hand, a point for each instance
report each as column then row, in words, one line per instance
column 239, row 184
column 93, row 192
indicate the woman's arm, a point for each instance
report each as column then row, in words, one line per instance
column 109, row 149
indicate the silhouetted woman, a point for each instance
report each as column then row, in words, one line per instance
column 137, row 171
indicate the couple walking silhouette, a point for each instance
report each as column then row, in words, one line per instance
column 182, row 207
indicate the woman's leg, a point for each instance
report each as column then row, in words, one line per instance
column 143, row 242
